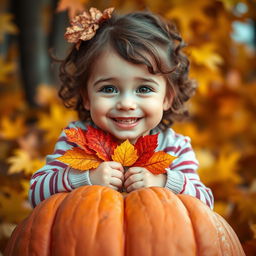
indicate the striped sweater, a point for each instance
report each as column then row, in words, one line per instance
column 182, row 176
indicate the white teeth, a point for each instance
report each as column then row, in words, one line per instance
column 127, row 121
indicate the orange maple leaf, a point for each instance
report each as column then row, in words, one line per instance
column 158, row 162
column 101, row 142
column 126, row 154
column 77, row 158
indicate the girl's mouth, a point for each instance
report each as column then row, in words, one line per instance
column 126, row 120
column 126, row 123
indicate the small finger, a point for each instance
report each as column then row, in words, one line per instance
column 131, row 171
column 118, row 174
column 116, row 182
column 116, row 165
column 132, row 179
column 134, row 186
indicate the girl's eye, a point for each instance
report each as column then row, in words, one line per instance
column 108, row 89
column 144, row 89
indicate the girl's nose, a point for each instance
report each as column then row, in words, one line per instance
column 126, row 102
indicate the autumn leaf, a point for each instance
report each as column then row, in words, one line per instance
column 22, row 162
column 54, row 121
column 186, row 17
column 78, row 159
column 12, row 129
column 206, row 55
column 221, row 169
column 158, row 162
column 102, row 143
column 126, row 154
column 11, row 203
column 145, row 146
column 78, row 136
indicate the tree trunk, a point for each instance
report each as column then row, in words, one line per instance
column 34, row 57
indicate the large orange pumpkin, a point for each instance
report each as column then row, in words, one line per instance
column 99, row 221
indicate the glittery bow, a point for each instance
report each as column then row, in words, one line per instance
column 83, row 26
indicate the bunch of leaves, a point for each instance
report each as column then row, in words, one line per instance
column 96, row 146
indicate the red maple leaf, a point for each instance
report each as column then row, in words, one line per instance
column 102, row 143
column 145, row 146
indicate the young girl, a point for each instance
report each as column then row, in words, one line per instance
column 126, row 75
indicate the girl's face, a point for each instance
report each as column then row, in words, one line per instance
column 123, row 98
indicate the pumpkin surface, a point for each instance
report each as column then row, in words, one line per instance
column 96, row 221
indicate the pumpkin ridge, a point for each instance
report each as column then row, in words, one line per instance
column 53, row 221
column 229, row 232
column 192, row 224
column 98, row 212
column 16, row 234
column 195, row 205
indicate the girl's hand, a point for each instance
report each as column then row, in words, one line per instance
column 139, row 177
column 110, row 174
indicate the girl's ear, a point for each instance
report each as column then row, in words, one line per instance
column 86, row 102
column 168, row 100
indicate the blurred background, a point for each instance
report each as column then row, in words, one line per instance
column 221, row 38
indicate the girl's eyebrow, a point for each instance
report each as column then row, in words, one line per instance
column 103, row 80
column 142, row 79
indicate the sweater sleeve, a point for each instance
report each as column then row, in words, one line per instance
column 56, row 176
column 182, row 176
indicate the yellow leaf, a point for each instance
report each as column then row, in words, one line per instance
column 55, row 121
column 22, row 161
column 12, row 129
column 158, row 162
column 126, row 154
column 206, row 55
column 186, row 16
column 13, row 207
column 77, row 158
column 223, row 169
column 6, row 26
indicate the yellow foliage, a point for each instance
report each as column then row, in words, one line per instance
column 206, row 55
column 187, row 13
column 126, row 154
column 12, row 129
column 222, row 170
column 22, row 162
column 53, row 123
column 11, row 203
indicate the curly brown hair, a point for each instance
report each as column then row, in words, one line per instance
column 136, row 37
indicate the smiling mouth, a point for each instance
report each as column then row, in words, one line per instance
column 126, row 120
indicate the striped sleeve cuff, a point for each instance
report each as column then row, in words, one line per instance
column 78, row 178
column 175, row 181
